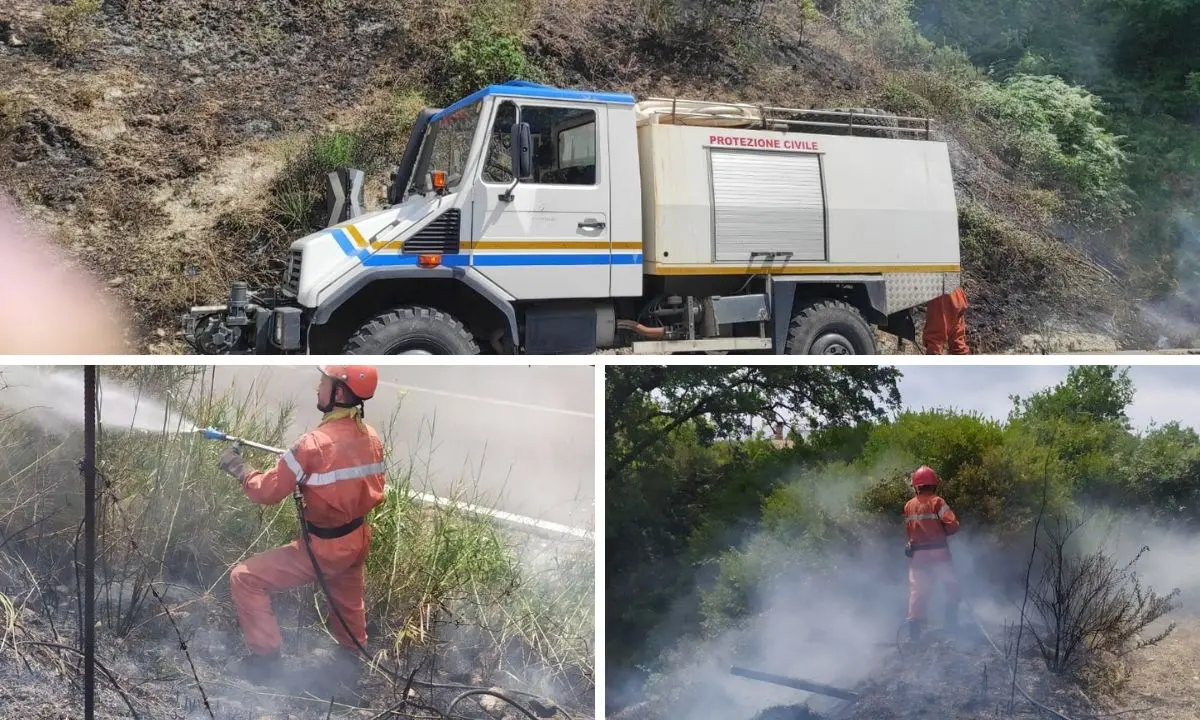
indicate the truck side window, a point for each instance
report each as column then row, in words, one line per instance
column 564, row 145
column 497, row 166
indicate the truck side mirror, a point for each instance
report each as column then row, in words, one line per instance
column 522, row 152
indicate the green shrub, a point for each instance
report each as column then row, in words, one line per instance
column 334, row 150
column 1057, row 134
column 896, row 97
column 944, row 94
column 484, row 56
column 72, row 28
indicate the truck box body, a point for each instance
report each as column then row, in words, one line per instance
column 720, row 200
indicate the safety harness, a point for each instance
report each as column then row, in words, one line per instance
column 932, row 545
column 342, row 530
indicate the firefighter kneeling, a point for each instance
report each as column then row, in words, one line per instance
column 339, row 469
column 928, row 521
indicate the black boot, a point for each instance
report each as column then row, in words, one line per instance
column 346, row 671
column 260, row 669
column 914, row 629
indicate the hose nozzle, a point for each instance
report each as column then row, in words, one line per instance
column 213, row 434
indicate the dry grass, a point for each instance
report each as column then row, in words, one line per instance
column 72, row 28
column 1165, row 676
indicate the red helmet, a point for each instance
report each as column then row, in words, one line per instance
column 362, row 380
column 924, row 476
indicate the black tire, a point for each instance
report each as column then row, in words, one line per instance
column 830, row 327
column 412, row 330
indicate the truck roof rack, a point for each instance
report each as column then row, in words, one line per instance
column 707, row 113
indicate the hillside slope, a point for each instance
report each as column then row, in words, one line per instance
column 176, row 145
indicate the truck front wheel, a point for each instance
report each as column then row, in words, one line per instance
column 830, row 327
column 412, row 331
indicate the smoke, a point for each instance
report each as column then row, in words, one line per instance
column 1173, row 317
column 822, row 616
column 1169, row 562
column 831, row 611
column 52, row 398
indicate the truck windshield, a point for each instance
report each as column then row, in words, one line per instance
column 447, row 146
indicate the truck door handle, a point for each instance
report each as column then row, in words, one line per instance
column 592, row 225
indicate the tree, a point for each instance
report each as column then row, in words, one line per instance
column 645, row 404
column 1094, row 392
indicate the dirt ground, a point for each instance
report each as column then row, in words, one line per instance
column 1166, row 678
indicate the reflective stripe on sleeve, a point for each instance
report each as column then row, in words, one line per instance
column 289, row 458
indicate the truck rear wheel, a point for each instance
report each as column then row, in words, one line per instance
column 830, row 327
column 412, row 331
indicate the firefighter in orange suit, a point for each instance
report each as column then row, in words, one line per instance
column 946, row 324
column 928, row 520
column 339, row 469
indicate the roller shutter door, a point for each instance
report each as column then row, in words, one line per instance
column 767, row 202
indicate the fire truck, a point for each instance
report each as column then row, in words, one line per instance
column 531, row 219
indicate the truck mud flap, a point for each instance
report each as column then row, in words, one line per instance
column 485, row 289
column 782, row 295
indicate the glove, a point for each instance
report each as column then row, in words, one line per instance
column 231, row 463
column 908, row 551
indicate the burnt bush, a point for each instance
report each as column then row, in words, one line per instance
column 1088, row 606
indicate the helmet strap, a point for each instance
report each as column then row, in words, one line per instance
column 335, row 403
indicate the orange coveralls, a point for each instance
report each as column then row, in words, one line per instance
column 928, row 521
column 946, row 324
column 341, row 472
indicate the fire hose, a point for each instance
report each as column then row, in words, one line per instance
column 306, row 541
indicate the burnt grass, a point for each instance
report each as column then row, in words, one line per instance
column 959, row 677
column 151, row 667
column 118, row 147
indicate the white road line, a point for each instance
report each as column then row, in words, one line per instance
column 494, row 401
column 505, row 516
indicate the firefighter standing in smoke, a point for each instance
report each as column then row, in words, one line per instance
column 339, row 467
column 928, row 521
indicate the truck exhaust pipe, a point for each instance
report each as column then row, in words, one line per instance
column 655, row 333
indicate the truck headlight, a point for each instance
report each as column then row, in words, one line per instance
column 286, row 330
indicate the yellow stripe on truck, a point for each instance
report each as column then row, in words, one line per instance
column 657, row 269
column 356, row 236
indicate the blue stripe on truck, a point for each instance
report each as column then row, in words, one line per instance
column 533, row 90
column 506, row 260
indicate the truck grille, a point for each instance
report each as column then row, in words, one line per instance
column 439, row 236
column 291, row 282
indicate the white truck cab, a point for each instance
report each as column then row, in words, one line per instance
column 532, row 219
